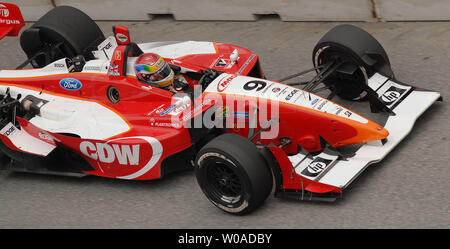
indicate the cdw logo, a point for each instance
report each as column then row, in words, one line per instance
column 107, row 153
column 142, row 152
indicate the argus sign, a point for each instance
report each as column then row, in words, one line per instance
column 70, row 84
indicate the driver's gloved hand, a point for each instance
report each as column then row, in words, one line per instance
column 76, row 64
column 179, row 85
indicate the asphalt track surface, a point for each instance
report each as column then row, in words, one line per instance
column 408, row 189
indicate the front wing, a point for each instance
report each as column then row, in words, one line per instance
column 330, row 172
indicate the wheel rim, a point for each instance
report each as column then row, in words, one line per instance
column 350, row 86
column 223, row 183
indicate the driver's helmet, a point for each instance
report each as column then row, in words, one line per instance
column 154, row 70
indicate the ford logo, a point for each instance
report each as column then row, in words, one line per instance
column 70, row 84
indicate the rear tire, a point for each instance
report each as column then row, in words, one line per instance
column 233, row 175
column 77, row 32
column 356, row 48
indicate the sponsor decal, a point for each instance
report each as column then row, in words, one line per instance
column 291, row 94
column 121, row 37
column 9, row 131
column 339, row 110
column 118, row 55
column 70, row 84
column 92, row 68
column 281, row 92
column 187, row 116
column 125, row 154
column 276, row 89
column 8, row 22
column 169, row 109
column 224, row 82
column 222, row 112
column 267, row 88
column 314, row 101
column 164, row 124
column 316, row 167
column 4, row 12
column 106, row 48
column 59, row 65
column 179, row 109
column 392, row 95
column 157, row 110
column 45, row 136
column 348, row 113
column 241, row 115
column 173, row 110
column 125, row 158
column 222, row 62
column 321, row 105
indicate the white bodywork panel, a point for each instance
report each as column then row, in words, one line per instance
column 275, row 91
column 54, row 68
column 175, row 50
column 26, row 142
column 63, row 115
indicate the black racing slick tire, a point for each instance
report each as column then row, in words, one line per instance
column 232, row 174
column 361, row 54
column 65, row 28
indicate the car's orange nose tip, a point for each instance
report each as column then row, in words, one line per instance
column 366, row 133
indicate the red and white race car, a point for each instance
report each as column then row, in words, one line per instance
column 81, row 110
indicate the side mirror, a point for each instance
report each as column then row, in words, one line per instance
column 122, row 35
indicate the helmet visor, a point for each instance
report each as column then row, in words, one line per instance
column 144, row 72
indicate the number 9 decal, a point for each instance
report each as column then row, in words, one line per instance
column 259, row 85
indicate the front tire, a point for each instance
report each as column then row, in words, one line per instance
column 233, row 175
column 359, row 52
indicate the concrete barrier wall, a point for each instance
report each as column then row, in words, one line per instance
column 32, row 9
column 413, row 10
column 249, row 10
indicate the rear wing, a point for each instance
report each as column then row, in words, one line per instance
column 11, row 20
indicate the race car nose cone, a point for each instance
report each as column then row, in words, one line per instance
column 381, row 133
column 366, row 133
